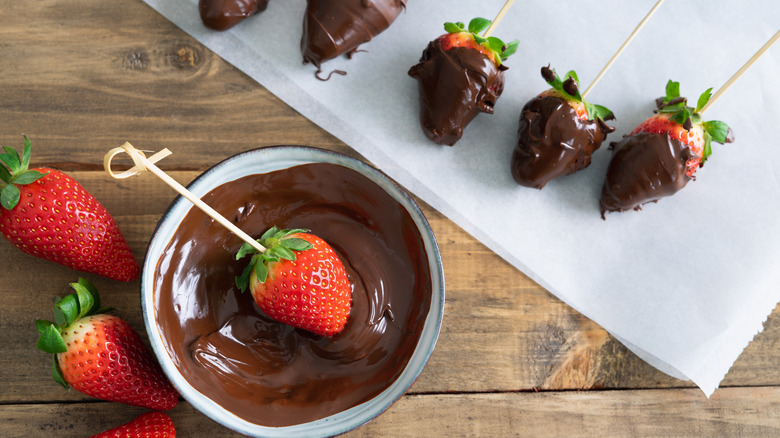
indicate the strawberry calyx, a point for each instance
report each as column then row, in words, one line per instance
column 15, row 172
column 688, row 117
column 279, row 246
column 499, row 50
column 84, row 302
column 569, row 89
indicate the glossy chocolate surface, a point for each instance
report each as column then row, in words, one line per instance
column 269, row 373
column 553, row 141
column 644, row 168
column 454, row 85
column 224, row 14
column 335, row 27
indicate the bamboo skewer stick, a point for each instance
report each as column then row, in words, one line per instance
column 622, row 47
column 741, row 71
column 143, row 164
column 498, row 18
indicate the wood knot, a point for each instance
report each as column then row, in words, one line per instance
column 185, row 57
column 136, row 60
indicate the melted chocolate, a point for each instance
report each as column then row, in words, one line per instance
column 644, row 168
column 224, row 14
column 553, row 141
column 334, row 27
column 267, row 372
column 454, row 85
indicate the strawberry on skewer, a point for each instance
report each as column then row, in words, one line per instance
column 147, row 425
column 558, row 132
column 48, row 214
column 332, row 28
column 100, row 355
column 299, row 280
column 662, row 154
column 460, row 74
column 224, row 14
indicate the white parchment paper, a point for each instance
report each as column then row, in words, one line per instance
column 685, row 283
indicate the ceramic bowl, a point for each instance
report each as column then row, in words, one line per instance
column 260, row 161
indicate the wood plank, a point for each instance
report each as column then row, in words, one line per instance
column 753, row 412
column 146, row 82
column 501, row 331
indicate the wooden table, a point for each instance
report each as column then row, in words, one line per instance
column 82, row 77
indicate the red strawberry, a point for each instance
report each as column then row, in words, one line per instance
column 459, row 36
column 662, row 154
column 558, row 132
column 148, row 425
column 49, row 215
column 299, row 280
column 100, row 355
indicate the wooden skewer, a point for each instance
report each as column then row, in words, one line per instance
column 622, row 47
column 142, row 163
column 741, row 71
column 498, row 18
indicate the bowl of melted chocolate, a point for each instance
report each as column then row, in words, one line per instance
column 261, row 377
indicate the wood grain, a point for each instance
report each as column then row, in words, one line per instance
column 734, row 412
column 82, row 77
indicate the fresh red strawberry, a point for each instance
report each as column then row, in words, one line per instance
column 459, row 36
column 148, row 425
column 299, row 280
column 100, row 355
column 662, row 154
column 47, row 214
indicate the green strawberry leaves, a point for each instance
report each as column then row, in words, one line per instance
column 14, row 172
column 571, row 90
column 279, row 247
column 476, row 27
column 682, row 114
column 85, row 301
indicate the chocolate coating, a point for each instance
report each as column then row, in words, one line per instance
column 267, row 372
column 455, row 85
column 334, row 27
column 553, row 141
column 644, row 168
column 224, row 14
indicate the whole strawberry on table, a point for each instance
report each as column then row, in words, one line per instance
column 460, row 74
column 558, row 132
column 100, row 355
column 147, row 425
column 299, row 280
column 48, row 214
column 662, row 154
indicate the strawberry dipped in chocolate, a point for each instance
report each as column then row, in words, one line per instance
column 460, row 74
column 662, row 154
column 558, row 132
column 224, row 14
column 332, row 28
column 299, row 281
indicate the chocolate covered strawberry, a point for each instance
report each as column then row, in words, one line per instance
column 100, row 355
column 460, row 74
column 224, row 14
column 334, row 27
column 147, row 425
column 47, row 214
column 558, row 132
column 662, row 154
column 299, row 280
